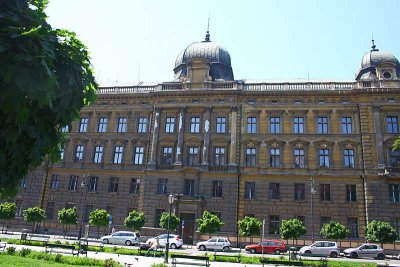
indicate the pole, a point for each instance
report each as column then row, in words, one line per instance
column 312, row 208
column 84, row 184
column 171, row 201
column 262, row 240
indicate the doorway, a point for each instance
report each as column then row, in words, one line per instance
column 186, row 227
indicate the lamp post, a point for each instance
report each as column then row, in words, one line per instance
column 171, row 199
column 312, row 188
column 84, row 184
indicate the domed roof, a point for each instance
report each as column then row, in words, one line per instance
column 218, row 57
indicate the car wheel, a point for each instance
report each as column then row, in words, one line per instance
column 226, row 248
column 307, row 252
column 253, row 250
column 354, row 255
column 128, row 242
column 202, row 248
column 277, row 252
column 173, row 246
column 334, row 254
column 380, row 256
column 105, row 241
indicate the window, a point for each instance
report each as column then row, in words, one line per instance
column 394, row 158
column 157, row 217
column 65, row 129
column 169, row 124
column 392, row 124
column 250, row 157
column 162, row 186
column 221, row 125
column 348, row 155
column 219, row 156
column 188, row 187
column 299, row 191
column 299, row 158
column 217, row 189
column 19, row 212
column 298, row 125
column 92, row 185
column 274, row 125
column 274, row 157
column 118, row 152
column 325, row 190
column 73, row 183
column 194, row 157
column 78, row 153
column 102, row 127
column 50, row 211
column 62, row 152
column 142, row 125
column 113, row 185
column 195, row 124
column 325, row 220
column 322, row 125
column 274, row 224
column 138, row 155
column 122, row 123
column 394, row 193
column 274, row 191
column 167, row 156
column 98, row 154
column 347, row 125
column 351, row 195
column 352, row 225
column 249, row 190
column 83, row 125
column 135, row 186
column 324, row 158
column 251, row 124
column 55, row 180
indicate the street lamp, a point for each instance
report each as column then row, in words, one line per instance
column 84, row 184
column 312, row 188
column 171, row 199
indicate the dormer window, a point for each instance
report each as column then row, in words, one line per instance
column 387, row 75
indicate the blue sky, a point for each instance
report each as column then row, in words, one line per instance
column 131, row 40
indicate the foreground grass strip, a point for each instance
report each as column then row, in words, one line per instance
column 18, row 261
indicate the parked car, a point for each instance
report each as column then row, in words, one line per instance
column 365, row 251
column 327, row 248
column 121, row 237
column 175, row 241
column 268, row 246
column 215, row 243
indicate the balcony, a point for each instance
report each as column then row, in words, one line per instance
column 389, row 171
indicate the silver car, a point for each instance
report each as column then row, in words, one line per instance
column 175, row 241
column 121, row 238
column 326, row 248
column 365, row 251
column 215, row 243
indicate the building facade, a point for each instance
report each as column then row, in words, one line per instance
column 233, row 147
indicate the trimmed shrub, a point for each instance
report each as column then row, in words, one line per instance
column 24, row 252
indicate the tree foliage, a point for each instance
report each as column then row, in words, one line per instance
column 334, row 230
column 135, row 220
column 173, row 223
column 67, row 217
column 45, row 79
column 99, row 218
column 7, row 212
column 382, row 232
column 249, row 226
column 34, row 215
column 293, row 228
column 209, row 223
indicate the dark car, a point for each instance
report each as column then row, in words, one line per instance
column 268, row 246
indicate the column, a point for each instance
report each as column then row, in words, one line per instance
column 178, row 158
column 232, row 155
column 206, row 145
column 378, row 137
column 154, row 142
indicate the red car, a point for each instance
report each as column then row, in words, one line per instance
column 270, row 246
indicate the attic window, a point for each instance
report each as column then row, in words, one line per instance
column 251, row 102
column 221, row 100
column 274, row 101
column 321, row 101
column 345, row 101
column 170, row 101
column 195, row 101
column 297, row 101
column 144, row 103
column 390, row 99
column 387, row 75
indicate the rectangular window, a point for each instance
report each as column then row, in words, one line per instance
column 135, row 186
column 322, row 125
column 142, row 125
column 167, row 156
column 19, row 212
column 299, row 158
column 325, row 190
column 274, row 191
column 118, row 152
column 219, row 156
column 352, row 225
column 55, row 181
column 113, row 185
column 249, row 190
column 83, row 125
column 392, row 124
column 73, row 183
column 169, row 124
column 274, row 224
column 275, row 125
column 102, row 126
column 299, row 191
column 298, row 125
column 325, row 220
column 50, row 211
column 324, row 158
column 188, row 187
column 217, row 189
column 122, row 123
column 162, row 186
column 250, row 157
column 194, row 156
column 138, row 155
column 78, row 153
column 98, row 154
column 62, row 152
column 394, row 193
column 92, row 185
column 348, row 156
column 347, row 125
column 195, row 124
column 157, row 217
column 221, row 125
column 351, row 195
column 65, row 129
column 275, row 158
column 251, row 124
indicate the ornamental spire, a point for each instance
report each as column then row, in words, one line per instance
column 207, row 39
column 373, row 45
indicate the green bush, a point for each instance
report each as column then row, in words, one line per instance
column 58, row 258
column 158, row 265
column 110, row 263
column 24, row 251
column 10, row 250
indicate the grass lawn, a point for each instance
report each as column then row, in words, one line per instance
column 17, row 261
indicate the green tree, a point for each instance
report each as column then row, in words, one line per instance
column 7, row 212
column 34, row 215
column 334, row 230
column 45, row 79
column 99, row 218
column 173, row 223
column 67, row 217
column 134, row 220
column 249, row 226
column 382, row 232
column 293, row 228
column 209, row 223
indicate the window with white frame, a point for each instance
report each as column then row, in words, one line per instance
column 221, row 125
column 167, row 157
column 102, row 126
column 138, row 155
column 169, row 124
column 122, row 125
column 78, row 153
column 98, row 154
column 193, row 156
column 348, row 156
column 275, row 157
column 250, row 157
column 275, row 124
column 142, row 125
column 195, row 124
column 251, row 124
column 219, row 156
column 322, row 125
column 347, row 125
column 324, row 158
column 299, row 158
column 118, row 153
column 83, row 125
column 298, row 125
